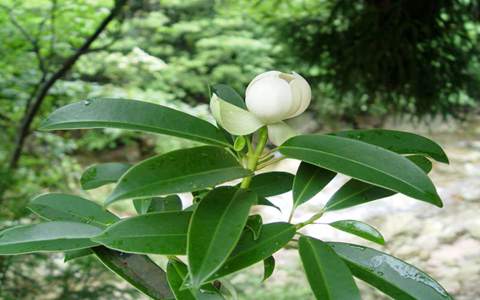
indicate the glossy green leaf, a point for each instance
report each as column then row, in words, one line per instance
column 133, row 115
column 74, row 254
column 158, row 204
column 360, row 229
column 178, row 171
column 154, row 233
column 64, row 207
column 47, row 237
column 264, row 201
column 215, row 229
column 365, row 162
column 329, row 277
column 228, row 94
column 273, row 237
column 391, row 275
column 177, row 273
column 356, row 192
column 397, row 141
column 268, row 267
column 254, row 224
column 271, row 183
column 101, row 174
column 309, row 180
column 138, row 270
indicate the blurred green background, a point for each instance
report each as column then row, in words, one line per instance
column 369, row 62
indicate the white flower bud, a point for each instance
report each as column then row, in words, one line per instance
column 274, row 96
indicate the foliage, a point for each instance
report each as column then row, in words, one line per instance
column 216, row 233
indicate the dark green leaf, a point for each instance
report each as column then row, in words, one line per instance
column 254, row 224
column 177, row 273
column 215, row 229
column 309, row 180
column 391, row 275
column 266, row 202
column 74, row 254
column 356, row 192
column 364, row 162
column 46, row 237
column 397, row 141
column 360, row 229
column 154, row 233
column 271, row 183
column 249, row 251
column 229, row 95
column 158, row 204
column 133, row 115
column 268, row 267
column 329, row 277
column 63, row 207
column 98, row 175
column 178, row 171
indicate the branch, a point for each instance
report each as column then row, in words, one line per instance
column 24, row 128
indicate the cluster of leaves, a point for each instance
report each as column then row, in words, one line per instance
column 216, row 234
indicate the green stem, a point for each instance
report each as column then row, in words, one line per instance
column 254, row 154
column 311, row 220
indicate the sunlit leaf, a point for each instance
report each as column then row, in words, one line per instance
column 360, row 229
column 98, row 175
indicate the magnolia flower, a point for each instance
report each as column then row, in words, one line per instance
column 271, row 97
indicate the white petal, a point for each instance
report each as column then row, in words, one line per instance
column 233, row 119
column 297, row 96
column 263, row 75
column 306, row 94
column 269, row 98
column 279, row 132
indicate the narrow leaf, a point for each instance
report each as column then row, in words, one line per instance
column 360, row 229
column 329, row 277
column 64, row 207
column 101, row 174
column 356, row 192
column 178, row 171
column 47, row 237
column 215, row 229
column 133, row 115
column 273, row 237
column 364, row 162
column 254, row 224
column 271, row 183
column 177, row 273
column 309, row 180
column 264, row 201
column 268, row 267
column 391, row 275
column 397, row 141
column 228, row 94
column 154, row 233
column 74, row 254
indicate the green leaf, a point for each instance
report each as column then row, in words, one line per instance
column 268, row 267
column 177, row 273
column 154, row 233
column 249, row 251
column 215, row 229
column 158, row 204
column 74, row 254
column 329, row 277
column 64, row 207
column 254, row 224
column 138, row 270
column 101, row 174
column 271, row 183
column 391, row 275
column 133, row 115
column 47, row 237
column 266, row 202
column 397, row 141
column 309, row 180
column 360, row 229
column 178, row 171
column 228, row 94
column 356, row 192
column 240, row 143
column 364, row 162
